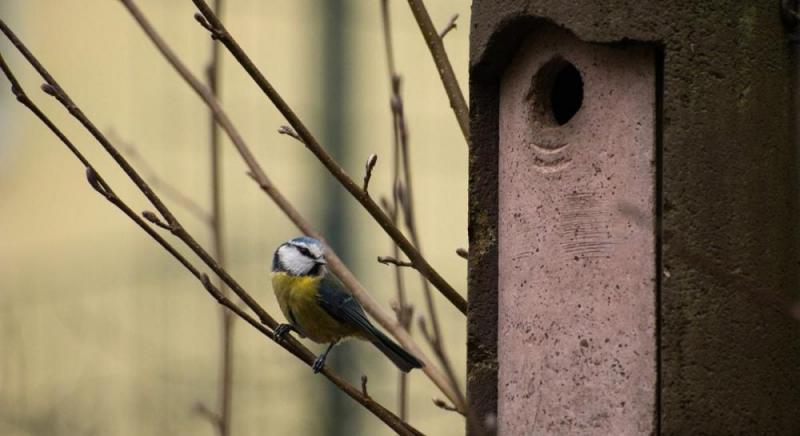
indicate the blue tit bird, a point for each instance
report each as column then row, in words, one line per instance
column 320, row 308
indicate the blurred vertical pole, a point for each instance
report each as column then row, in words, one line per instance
column 340, row 419
column 218, row 248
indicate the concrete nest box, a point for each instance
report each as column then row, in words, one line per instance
column 633, row 219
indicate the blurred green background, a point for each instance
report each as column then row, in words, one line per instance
column 103, row 333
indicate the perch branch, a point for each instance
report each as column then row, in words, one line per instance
column 311, row 143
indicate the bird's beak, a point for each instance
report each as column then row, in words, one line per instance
column 321, row 261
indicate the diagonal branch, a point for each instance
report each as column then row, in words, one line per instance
column 422, row 265
column 257, row 173
column 99, row 184
column 443, row 65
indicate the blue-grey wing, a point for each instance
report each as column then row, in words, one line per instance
column 342, row 306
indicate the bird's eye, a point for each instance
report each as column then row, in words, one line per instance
column 304, row 251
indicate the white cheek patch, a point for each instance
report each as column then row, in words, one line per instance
column 295, row 262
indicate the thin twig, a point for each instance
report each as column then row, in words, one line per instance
column 370, row 165
column 257, row 173
column 436, row 47
column 403, row 311
column 451, row 25
column 437, row 345
column 212, row 417
column 158, row 183
column 388, row 260
column 333, row 167
column 98, row 183
column 462, row 252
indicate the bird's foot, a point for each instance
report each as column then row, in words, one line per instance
column 319, row 363
column 281, row 330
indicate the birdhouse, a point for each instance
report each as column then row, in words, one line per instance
column 633, row 219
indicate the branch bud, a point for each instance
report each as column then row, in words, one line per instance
column 94, row 182
column 49, row 89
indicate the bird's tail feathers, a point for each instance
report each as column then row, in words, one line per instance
column 404, row 360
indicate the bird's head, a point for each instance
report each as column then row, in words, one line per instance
column 301, row 256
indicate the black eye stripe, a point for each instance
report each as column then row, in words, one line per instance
column 304, row 251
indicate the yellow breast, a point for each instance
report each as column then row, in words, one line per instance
column 298, row 299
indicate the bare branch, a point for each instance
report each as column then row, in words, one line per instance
column 388, row 260
column 370, row 165
column 450, row 26
column 443, row 65
column 333, row 167
column 462, row 252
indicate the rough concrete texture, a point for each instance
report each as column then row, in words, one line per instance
column 576, row 245
column 729, row 354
